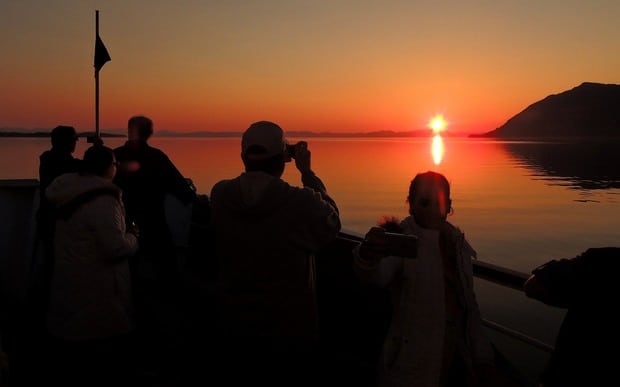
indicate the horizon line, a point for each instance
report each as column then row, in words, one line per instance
column 289, row 133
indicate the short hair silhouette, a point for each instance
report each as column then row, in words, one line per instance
column 63, row 136
column 143, row 124
column 97, row 159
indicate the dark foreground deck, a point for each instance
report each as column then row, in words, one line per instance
column 353, row 317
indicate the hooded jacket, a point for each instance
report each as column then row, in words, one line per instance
column 91, row 287
column 266, row 234
column 413, row 348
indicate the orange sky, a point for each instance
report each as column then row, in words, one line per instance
column 329, row 65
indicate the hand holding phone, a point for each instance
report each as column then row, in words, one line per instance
column 402, row 245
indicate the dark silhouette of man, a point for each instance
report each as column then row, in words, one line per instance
column 52, row 163
column 146, row 176
column 266, row 232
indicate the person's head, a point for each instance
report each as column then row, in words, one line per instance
column 263, row 148
column 99, row 160
column 64, row 138
column 429, row 199
column 139, row 128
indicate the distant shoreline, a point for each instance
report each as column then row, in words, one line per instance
column 47, row 134
column 293, row 134
column 167, row 133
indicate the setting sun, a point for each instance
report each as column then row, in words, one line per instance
column 437, row 123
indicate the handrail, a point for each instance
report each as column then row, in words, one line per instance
column 517, row 335
column 502, row 276
column 498, row 275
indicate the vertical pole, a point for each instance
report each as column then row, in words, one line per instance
column 97, row 80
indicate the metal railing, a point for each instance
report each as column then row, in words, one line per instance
column 497, row 275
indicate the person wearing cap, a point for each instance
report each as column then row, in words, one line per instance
column 266, row 232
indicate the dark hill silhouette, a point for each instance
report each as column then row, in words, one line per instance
column 588, row 110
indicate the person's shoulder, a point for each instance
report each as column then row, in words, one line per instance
column 45, row 155
column 155, row 153
column 121, row 151
column 602, row 252
column 223, row 185
column 153, row 150
column 604, row 260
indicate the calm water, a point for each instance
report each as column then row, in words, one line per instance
column 519, row 203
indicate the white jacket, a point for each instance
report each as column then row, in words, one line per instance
column 91, row 286
column 413, row 348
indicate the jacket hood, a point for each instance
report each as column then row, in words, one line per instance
column 69, row 186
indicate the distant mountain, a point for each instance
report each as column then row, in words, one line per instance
column 588, row 110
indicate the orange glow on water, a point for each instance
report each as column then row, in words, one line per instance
column 437, row 149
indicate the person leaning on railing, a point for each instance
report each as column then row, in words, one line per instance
column 586, row 347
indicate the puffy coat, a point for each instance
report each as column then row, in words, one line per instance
column 91, row 286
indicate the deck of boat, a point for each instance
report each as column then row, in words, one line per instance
column 353, row 317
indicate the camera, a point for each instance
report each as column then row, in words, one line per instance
column 402, row 245
column 290, row 151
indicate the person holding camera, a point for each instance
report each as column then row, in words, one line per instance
column 266, row 232
column 435, row 336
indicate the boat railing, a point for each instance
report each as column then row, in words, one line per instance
column 498, row 275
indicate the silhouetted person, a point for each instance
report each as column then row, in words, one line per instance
column 585, row 352
column 266, row 232
column 435, row 337
column 146, row 175
column 52, row 163
column 91, row 313
column 56, row 161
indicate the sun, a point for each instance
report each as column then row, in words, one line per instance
column 437, row 123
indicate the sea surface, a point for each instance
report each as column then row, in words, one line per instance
column 520, row 204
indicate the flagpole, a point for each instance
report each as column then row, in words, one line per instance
column 97, row 135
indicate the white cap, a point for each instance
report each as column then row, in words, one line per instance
column 266, row 140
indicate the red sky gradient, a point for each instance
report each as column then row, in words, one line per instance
column 322, row 66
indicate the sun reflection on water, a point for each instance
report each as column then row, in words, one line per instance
column 437, row 149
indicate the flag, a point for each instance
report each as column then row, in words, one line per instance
column 101, row 54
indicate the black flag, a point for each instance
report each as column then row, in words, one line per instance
column 101, row 54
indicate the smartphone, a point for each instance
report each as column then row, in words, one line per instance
column 402, row 245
